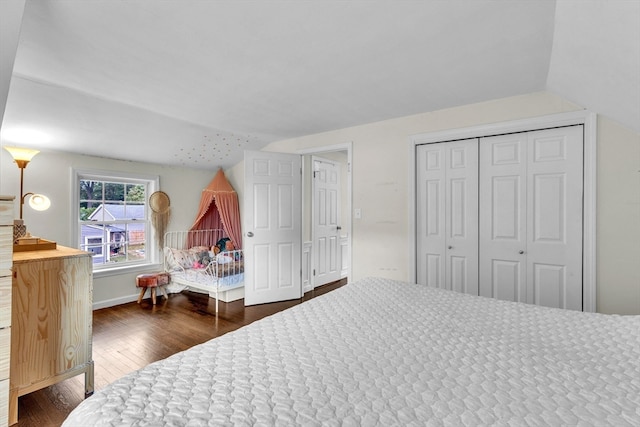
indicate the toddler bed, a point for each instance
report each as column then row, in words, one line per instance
column 203, row 260
column 388, row 353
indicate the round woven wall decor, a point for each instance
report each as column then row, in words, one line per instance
column 160, row 205
column 159, row 202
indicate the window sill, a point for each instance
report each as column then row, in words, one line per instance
column 136, row 269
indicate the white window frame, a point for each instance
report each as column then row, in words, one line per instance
column 152, row 182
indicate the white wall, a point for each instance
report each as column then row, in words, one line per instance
column 50, row 173
column 380, row 178
column 618, row 221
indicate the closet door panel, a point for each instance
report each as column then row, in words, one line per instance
column 457, row 274
column 430, row 168
column 506, row 208
column 447, row 211
column 502, row 217
column 554, row 221
column 506, row 279
column 549, row 285
column 462, row 216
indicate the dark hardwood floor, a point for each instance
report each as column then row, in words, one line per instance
column 130, row 336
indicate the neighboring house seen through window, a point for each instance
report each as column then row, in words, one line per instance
column 112, row 215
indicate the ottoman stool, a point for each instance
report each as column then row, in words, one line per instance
column 152, row 281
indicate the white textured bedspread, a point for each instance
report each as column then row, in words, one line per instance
column 382, row 352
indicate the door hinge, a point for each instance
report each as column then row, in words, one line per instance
column 314, row 271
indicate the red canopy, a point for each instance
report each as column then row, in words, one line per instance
column 219, row 208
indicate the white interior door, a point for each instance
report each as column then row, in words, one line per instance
column 273, row 226
column 554, row 217
column 447, row 226
column 503, row 217
column 326, row 221
column 531, row 217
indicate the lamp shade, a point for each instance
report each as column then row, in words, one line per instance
column 39, row 202
column 19, row 153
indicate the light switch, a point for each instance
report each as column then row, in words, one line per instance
column 357, row 213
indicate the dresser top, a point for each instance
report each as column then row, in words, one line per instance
column 59, row 252
column 6, row 198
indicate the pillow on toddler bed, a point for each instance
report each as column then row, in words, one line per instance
column 223, row 258
column 183, row 258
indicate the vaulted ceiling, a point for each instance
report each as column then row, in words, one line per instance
column 196, row 82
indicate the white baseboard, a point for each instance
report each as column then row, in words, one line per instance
column 115, row 301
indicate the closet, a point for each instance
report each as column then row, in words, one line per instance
column 502, row 216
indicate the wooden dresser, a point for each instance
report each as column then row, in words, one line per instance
column 51, row 321
column 6, row 249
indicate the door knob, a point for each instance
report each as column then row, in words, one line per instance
column 450, row 247
column 520, row 252
column 338, row 228
column 249, row 234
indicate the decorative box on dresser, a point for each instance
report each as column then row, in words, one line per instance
column 6, row 250
column 51, row 321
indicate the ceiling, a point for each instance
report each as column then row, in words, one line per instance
column 197, row 82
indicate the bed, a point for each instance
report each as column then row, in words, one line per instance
column 204, row 260
column 383, row 352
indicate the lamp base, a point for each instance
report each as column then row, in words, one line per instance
column 19, row 230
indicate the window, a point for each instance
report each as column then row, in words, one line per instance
column 112, row 218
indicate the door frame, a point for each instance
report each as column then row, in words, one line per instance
column 348, row 147
column 583, row 117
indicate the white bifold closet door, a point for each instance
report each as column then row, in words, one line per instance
column 531, row 217
column 447, row 215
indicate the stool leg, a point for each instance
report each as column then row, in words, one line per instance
column 153, row 295
column 142, row 291
column 164, row 292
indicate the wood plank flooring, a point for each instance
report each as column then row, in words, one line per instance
column 130, row 336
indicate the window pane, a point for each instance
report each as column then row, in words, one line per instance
column 134, row 212
column 117, row 243
column 90, row 197
column 92, row 240
column 113, row 191
column 135, row 193
column 136, row 247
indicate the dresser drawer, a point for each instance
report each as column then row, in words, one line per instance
column 4, row 402
column 5, row 301
column 6, row 212
column 5, row 342
column 6, row 247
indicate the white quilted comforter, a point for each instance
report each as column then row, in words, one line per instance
column 381, row 352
